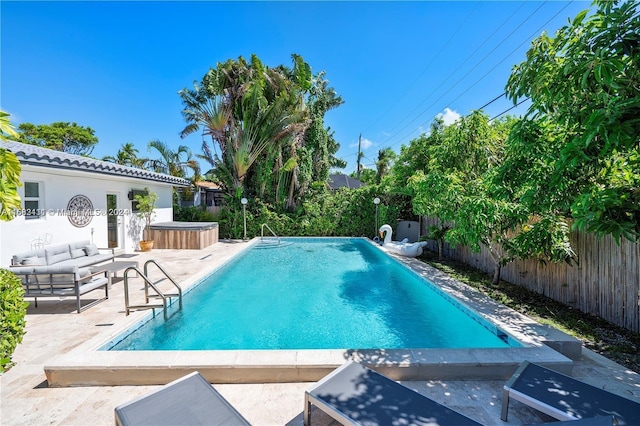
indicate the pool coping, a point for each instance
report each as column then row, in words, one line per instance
column 85, row 365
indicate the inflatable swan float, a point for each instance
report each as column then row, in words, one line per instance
column 402, row 248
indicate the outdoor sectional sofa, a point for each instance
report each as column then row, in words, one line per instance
column 62, row 270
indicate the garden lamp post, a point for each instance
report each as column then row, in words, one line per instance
column 376, row 201
column 244, row 216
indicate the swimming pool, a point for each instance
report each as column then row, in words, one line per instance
column 315, row 293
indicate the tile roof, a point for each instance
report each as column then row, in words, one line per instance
column 37, row 156
column 206, row 184
column 343, row 181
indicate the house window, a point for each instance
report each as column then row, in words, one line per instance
column 209, row 199
column 132, row 194
column 33, row 205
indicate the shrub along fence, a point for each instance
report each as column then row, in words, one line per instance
column 605, row 282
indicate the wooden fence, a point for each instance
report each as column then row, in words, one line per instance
column 606, row 281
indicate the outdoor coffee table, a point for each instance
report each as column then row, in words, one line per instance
column 112, row 268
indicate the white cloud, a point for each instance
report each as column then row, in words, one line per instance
column 366, row 144
column 449, row 116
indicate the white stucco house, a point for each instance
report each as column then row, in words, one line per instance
column 58, row 189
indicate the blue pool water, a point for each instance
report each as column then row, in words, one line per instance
column 315, row 294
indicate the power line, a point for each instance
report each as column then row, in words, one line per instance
column 507, row 110
column 463, row 63
column 492, row 69
column 482, row 107
column 466, row 74
column 477, row 81
column 492, row 101
column 462, row 24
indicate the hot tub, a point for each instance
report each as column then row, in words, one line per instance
column 184, row 235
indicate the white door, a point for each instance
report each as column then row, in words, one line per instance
column 114, row 222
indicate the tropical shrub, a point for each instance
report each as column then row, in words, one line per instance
column 584, row 81
column 60, row 136
column 192, row 214
column 267, row 123
column 146, row 209
column 346, row 212
column 12, row 307
column 9, row 171
column 12, row 312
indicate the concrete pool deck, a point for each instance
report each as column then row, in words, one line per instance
column 88, row 365
column 54, row 331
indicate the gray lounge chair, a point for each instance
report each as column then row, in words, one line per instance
column 190, row 400
column 354, row 394
column 565, row 398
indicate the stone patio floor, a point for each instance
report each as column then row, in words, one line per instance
column 54, row 328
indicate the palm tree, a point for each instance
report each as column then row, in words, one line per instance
column 171, row 162
column 261, row 129
column 383, row 165
column 127, row 156
column 318, row 138
column 211, row 113
column 249, row 111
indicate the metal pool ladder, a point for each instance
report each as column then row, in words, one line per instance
column 264, row 225
column 159, row 294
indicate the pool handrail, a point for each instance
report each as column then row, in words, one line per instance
column 270, row 230
column 169, row 277
column 148, row 283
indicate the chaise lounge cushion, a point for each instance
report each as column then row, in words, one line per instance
column 356, row 395
column 565, row 398
column 190, row 400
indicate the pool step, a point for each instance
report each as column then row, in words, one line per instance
column 271, row 243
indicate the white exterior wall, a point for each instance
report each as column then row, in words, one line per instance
column 57, row 187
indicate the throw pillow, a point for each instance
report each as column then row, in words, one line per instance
column 91, row 250
column 76, row 253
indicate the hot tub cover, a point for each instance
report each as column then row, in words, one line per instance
column 184, row 226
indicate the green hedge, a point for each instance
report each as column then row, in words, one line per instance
column 346, row 212
column 191, row 214
column 13, row 309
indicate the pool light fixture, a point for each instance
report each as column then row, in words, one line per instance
column 244, row 202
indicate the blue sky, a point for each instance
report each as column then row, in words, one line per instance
column 117, row 66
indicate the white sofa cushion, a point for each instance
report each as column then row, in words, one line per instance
column 18, row 258
column 57, row 254
column 33, row 261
